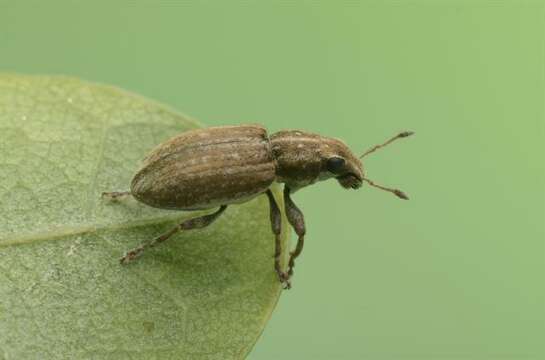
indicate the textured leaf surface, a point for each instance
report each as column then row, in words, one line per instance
column 206, row 294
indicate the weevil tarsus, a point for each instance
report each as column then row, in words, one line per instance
column 190, row 224
column 115, row 195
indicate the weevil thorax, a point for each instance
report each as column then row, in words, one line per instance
column 303, row 158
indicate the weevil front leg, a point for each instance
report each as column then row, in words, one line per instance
column 195, row 223
column 276, row 226
column 297, row 220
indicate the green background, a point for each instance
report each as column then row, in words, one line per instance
column 458, row 271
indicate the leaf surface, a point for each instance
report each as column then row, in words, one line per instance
column 205, row 294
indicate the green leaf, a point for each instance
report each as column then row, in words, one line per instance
column 205, row 294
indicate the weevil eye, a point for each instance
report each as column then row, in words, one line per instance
column 335, row 164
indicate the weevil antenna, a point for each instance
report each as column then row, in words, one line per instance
column 396, row 192
column 403, row 134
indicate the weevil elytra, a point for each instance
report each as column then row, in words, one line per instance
column 219, row 166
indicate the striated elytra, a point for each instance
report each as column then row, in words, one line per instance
column 218, row 166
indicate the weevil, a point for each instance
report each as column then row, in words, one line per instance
column 215, row 167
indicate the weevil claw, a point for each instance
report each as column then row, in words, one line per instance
column 287, row 285
column 284, row 279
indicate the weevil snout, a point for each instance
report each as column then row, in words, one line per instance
column 341, row 162
column 350, row 181
column 350, row 175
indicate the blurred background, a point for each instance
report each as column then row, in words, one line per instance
column 458, row 271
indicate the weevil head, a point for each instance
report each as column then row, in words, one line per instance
column 304, row 158
column 339, row 162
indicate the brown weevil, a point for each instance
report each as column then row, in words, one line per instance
column 218, row 166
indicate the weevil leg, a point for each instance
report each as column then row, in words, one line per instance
column 195, row 223
column 297, row 220
column 276, row 226
column 115, row 195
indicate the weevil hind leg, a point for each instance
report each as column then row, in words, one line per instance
column 115, row 195
column 297, row 220
column 276, row 226
column 190, row 224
